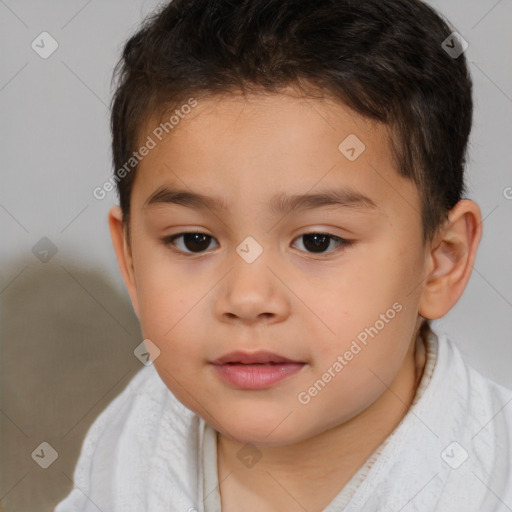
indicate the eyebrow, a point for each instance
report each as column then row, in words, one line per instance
column 280, row 204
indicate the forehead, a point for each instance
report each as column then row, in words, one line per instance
column 243, row 148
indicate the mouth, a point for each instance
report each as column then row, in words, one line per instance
column 241, row 357
column 253, row 371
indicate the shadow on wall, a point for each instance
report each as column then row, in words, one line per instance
column 66, row 351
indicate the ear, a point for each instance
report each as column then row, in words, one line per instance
column 123, row 253
column 451, row 260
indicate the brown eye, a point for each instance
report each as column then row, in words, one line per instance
column 191, row 243
column 319, row 243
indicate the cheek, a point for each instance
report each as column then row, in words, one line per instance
column 170, row 315
column 353, row 371
column 354, row 298
column 367, row 315
column 163, row 292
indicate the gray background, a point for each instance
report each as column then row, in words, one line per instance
column 67, row 327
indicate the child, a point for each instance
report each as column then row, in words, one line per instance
column 314, row 152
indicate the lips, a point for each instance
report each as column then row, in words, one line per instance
column 252, row 358
column 255, row 371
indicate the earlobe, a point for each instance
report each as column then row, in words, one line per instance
column 123, row 253
column 451, row 260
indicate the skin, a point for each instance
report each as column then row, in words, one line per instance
column 306, row 306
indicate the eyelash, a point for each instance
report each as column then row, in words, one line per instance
column 343, row 242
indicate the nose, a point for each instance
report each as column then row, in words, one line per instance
column 251, row 293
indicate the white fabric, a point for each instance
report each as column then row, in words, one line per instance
column 148, row 452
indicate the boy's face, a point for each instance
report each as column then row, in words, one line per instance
column 304, row 298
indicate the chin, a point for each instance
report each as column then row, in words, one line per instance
column 263, row 433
